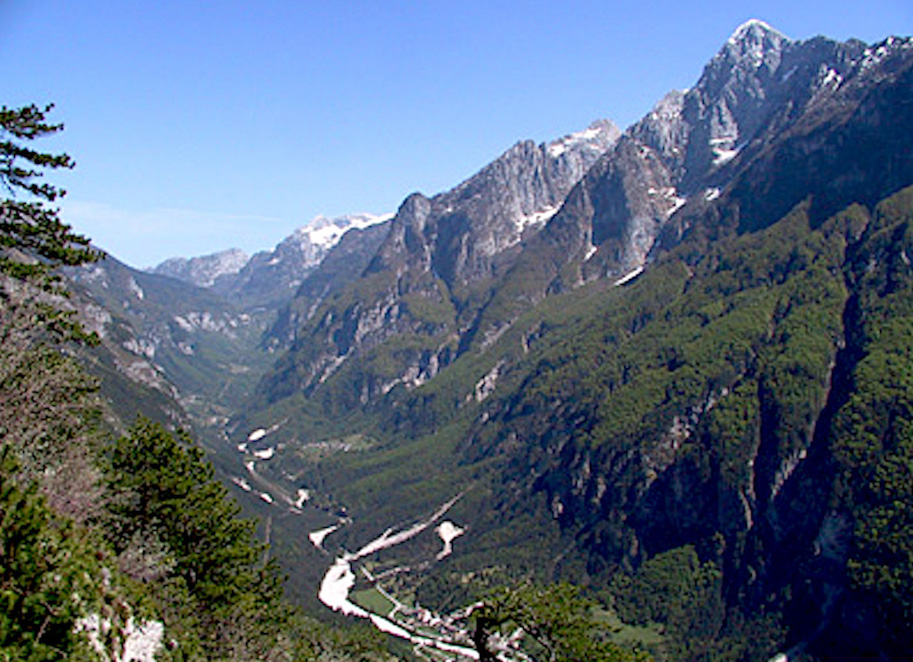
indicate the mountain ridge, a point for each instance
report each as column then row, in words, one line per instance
column 682, row 153
column 437, row 257
column 256, row 278
column 667, row 368
column 669, row 361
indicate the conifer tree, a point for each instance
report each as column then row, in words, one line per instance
column 175, row 523
column 33, row 239
column 45, row 398
column 47, row 574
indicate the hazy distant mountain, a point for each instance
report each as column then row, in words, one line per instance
column 273, row 276
column 204, row 270
column 268, row 276
column 343, row 263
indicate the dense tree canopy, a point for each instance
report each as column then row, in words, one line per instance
column 174, row 527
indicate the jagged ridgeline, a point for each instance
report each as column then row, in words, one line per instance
column 670, row 365
column 685, row 375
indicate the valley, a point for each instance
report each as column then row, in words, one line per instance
column 667, row 364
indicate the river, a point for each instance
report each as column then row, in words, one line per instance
column 340, row 578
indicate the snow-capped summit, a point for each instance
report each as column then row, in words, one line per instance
column 598, row 136
column 753, row 28
column 272, row 274
column 269, row 274
column 326, row 232
column 753, row 44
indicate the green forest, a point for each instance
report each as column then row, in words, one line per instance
column 117, row 539
column 112, row 542
column 709, row 459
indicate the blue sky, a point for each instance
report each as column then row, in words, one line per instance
column 199, row 126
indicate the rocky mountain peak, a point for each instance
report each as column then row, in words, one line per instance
column 596, row 138
column 406, row 242
column 324, row 233
column 272, row 276
column 754, row 39
column 203, row 271
column 752, row 47
column 462, row 233
column 691, row 146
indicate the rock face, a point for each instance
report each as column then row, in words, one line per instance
column 462, row 235
column 203, row 271
column 760, row 89
column 342, row 264
column 437, row 253
column 165, row 333
column 274, row 276
column 267, row 277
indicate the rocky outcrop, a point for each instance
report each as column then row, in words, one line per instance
column 163, row 332
column 462, row 235
column 203, row 271
column 273, row 277
column 436, row 251
column 343, row 264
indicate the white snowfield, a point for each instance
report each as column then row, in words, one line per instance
column 303, row 495
column 326, row 232
column 335, row 587
column 317, row 537
column 629, row 276
column 389, row 539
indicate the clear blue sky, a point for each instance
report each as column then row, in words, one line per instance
column 199, row 126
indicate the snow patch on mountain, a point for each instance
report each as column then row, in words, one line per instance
column 631, row 275
column 448, row 532
column 536, row 219
column 750, row 28
column 578, row 139
column 134, row 287
column 326, row 232
column 722, row 155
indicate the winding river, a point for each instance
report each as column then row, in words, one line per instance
column 339, row 580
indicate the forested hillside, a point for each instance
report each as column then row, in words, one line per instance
column 617, row 396
column 113, row 545
column 699, row 395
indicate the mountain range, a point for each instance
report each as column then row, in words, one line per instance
column 668, row 363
